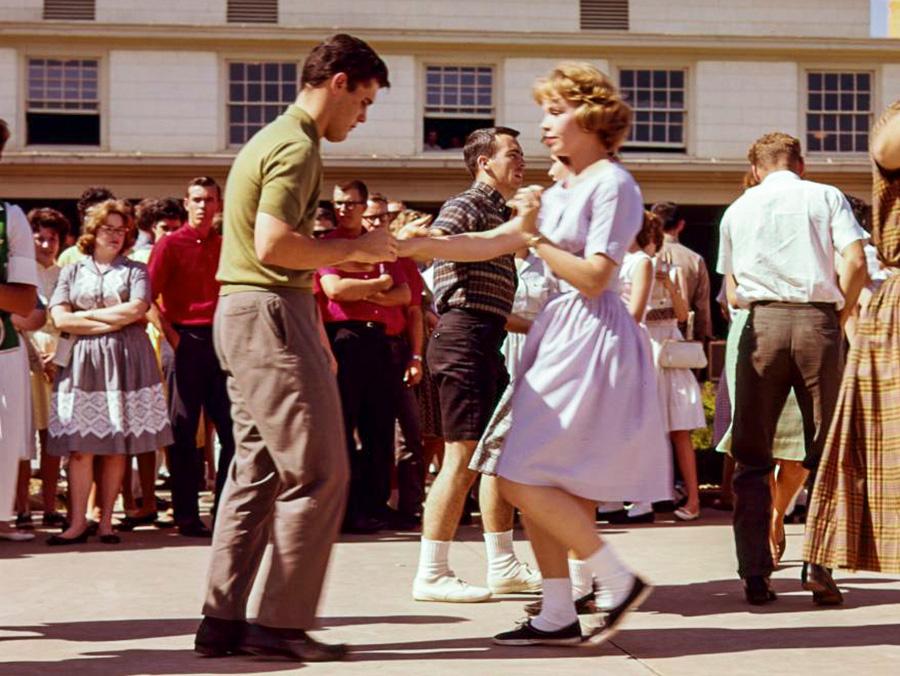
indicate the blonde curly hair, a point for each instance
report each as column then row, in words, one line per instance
column 599, row 108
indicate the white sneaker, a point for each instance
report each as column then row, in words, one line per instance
column 448, row 588
column 16, row 536
column 523, row 581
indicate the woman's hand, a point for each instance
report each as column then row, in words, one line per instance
column 527, row 204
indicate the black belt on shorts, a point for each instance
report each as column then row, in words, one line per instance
column 796, row 306
column 359, row 324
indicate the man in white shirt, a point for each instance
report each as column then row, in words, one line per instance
column 777, row 250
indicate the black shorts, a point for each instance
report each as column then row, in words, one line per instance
column 469, row 370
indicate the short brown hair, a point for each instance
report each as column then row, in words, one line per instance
column 668, row 214
column 774, row 149
column 377, row 197
column 97, row 215
column 51, row 219
column 4, row 133
column 346, row 54
column 651, row 231
column 598, row 106
column 150, row 211
column 361, row 188
column 91, row 196
column 483, row 142
column 204, row 182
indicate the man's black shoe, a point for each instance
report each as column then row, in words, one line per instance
column 615, row 516
column 623, row 518
column 818, row 580
column 195, row 530
column 640, row 590
column 294, row 644
column 362, row 525
column 525, row 634
column 757, row 590
column 219, row 638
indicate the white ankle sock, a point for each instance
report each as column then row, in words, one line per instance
column 501, row 556
column 640, row 508
column 433, row 557
column 582, row 580
column 614, row 577
column 557, row 609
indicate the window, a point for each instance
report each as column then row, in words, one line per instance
column 70, row 10
column 838, row 112
column 252, row 11
column 63, row 104
column 604, row 14
column 257, row 94
column 458, row 100
column 657, row 97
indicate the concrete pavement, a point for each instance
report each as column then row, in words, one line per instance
column 131, row 609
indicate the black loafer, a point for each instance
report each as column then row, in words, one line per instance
column 639, row 592
column 219, row 638
column 526, row 634
column 757, row 590
column 110, row 539
column 129, row 523
column 294, row 644
column 818, row 580
column 60, row 541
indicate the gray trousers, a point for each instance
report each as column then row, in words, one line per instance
column 287, row 484
column 783, row 345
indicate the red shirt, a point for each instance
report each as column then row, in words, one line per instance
column 359, row 310
column 397, row 324
column 182, row 270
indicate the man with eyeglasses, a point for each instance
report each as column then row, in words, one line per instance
column 182, row 271
column 357, row 307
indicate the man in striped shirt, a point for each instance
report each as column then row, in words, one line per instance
column 474, row 301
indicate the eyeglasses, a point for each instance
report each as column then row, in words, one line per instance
column 111, row 230
column 377, row 218
column 347, row 204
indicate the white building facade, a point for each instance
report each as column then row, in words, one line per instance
column 141, row 96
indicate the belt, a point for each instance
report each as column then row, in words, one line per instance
column 199, row 328
column 660, row 315
column 790, row 306
column 359, row 324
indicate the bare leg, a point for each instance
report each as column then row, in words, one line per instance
column 49, row 474
column 22, row 487
column 113, row 471
column 81, row 475
column 496, row 513
column 687, row 464
column 791, row 477
column 447, row 497
column 147, row 473
column 549, row 553
column 128, row 501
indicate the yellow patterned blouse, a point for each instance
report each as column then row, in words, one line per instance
column 886, row 202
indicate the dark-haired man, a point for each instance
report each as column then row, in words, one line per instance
column 474, row 301
column 182, row 271
column 91, row 196
column 288, row 481
column 357, row 308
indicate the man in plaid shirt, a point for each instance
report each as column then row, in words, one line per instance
column 474, row 301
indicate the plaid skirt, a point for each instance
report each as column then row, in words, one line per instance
column 854, row 517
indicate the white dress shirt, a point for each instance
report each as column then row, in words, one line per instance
column 779, row 238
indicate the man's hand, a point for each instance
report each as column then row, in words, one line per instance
column 413, row 374
column 527, row 204
column 375, row 246
column 416, row 228
column 385, row 281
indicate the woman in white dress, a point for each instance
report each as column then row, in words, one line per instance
column 585, row 413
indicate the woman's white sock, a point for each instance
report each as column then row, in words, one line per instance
column 557, row 609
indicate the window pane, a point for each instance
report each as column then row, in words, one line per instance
column 626, row 78
column 676, row 79
column 831, row 81
column 660, row 79
column 643, row 78
column 863, row 82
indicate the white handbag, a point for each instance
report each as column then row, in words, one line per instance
column 683, row 354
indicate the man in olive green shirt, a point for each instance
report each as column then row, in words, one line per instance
column 288, row 481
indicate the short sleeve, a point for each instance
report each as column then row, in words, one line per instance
column 844, row 228
column 63, row 292
column 139, row 283
column 287, row 182
column 21, row 267
column 455, row 218
column 723, row 264
column 610, row 229
column 414, row 279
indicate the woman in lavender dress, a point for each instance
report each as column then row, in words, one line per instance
column 585, row 411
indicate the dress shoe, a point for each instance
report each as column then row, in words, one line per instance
column 294, row 644
column 54, row 519
column 195, row 530
column 24, row 521
column 110, row 539
column 623, row 518
column 362, row 525
column 757, row 590
column 60, row 541
column 218, row 638
column 818, row 580
column 129, row 523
